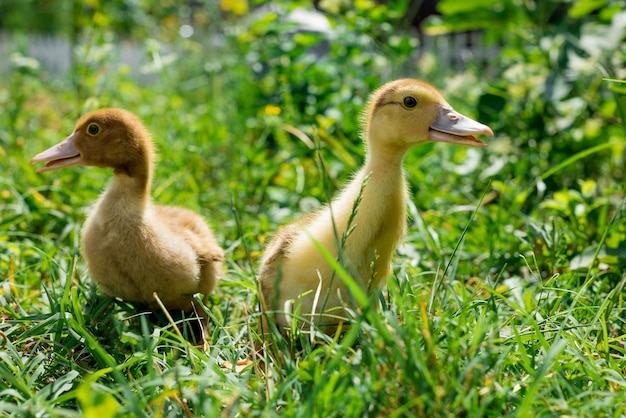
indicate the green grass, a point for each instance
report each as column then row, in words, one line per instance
column 507, row 298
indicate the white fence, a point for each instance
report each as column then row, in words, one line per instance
column 54, row 54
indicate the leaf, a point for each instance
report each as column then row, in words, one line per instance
column 586, row 258
column 59, row 386
column 451, row 7
column 612, row 80
column 96, row 403
column 585, row 7
column 587, row 187
column 619, row 89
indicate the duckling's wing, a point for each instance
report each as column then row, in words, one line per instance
column 200, row 238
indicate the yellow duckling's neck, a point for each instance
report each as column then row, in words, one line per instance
column 380, row 217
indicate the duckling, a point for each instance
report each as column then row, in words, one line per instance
column 134, row 248
column 400, row 115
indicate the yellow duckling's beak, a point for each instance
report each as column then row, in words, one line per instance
column 63, row 154
column 451, row 126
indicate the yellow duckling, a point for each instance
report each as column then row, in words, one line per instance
column 401, row 114
column 134, row 248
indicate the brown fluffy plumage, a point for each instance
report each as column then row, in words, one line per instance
column 132, row 247
column 400, row 115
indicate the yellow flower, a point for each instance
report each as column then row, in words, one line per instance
column 238, row 7
column 272, row 110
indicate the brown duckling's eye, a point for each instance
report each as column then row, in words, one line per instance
column 93, row 129
column 410, row 102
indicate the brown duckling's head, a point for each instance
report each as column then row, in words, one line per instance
column 112, row 138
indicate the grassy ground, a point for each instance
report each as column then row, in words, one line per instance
column 507, row 296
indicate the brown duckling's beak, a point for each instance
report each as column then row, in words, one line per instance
column 61, row 155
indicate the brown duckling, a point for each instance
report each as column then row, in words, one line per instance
column 134, row 248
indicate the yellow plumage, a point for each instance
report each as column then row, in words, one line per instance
column 400, row 115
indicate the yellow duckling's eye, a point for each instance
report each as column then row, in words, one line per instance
column 93, row 129
column 409, row 102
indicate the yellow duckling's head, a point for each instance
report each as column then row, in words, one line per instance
column 408, row 112
column 112, row 138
